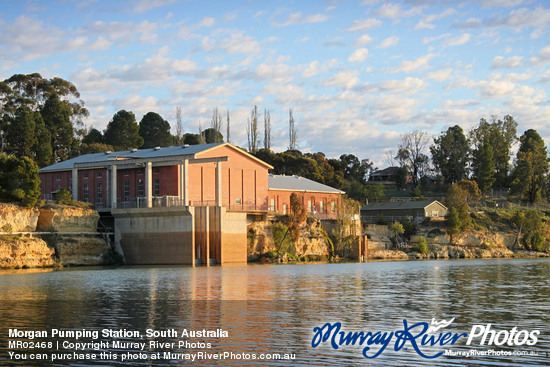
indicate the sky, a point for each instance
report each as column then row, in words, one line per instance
column 357, row 74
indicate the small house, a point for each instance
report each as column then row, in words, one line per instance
column 416, row 211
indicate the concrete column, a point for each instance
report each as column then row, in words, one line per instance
column 218, row 183
column 149, row 184
column 113, row 187
column 184, row 182
column 74, row 184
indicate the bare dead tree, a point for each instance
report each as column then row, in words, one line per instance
column 411, row 153
column 267, row 129
column 202, row 140
column 216, row 125
column 228, row 135
column 179, row 126
column 291, row 131
column 252, row 130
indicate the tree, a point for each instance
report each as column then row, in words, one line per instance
column 354, row 169
column 155, row 131
column 267, row 129
column 452, row 221
column 93, row 136
column 56, row 117
column 216, row 126
column 179, row 126
column 19, row 180
column 42, row 149
column 530, row 175
column 123, row 131
column 291, row 131
column 500, row 135
column 228, row 129
column 95, row 148
column 21, row 132
column 297, row 216
column 252, row 131
column 212, row 136
column 457, row 199
column 191, row 139
column 485, row 175
column 451, row 154
column 411, row 153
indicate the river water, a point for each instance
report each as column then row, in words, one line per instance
column 274, row 308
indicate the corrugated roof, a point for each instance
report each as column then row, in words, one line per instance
column 395, row 205
column 140, row 153
column 297, row 183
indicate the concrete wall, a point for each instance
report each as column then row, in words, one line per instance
column 155, row 235
column 233, row 237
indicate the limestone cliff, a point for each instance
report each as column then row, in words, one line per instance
column 63, row 218
column 17, row 252
column 14, row 218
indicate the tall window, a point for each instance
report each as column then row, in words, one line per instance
column 85, row 175
column 99, row 193
column 140, row 188
column 332, row 206
column 284, row 209
column 321, row 206
column 85, row 192
column 126, row 190
column 272, row 205
column 309, row 206
column 156, row 187
column 99, row 174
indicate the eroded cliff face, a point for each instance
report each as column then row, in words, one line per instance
column 43, row 250
column 14, row 218
column 63, row 218
column 310, row 243
column 16, row 252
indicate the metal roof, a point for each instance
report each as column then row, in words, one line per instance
column 129, row 154
column 297, row 183
column 396, row 205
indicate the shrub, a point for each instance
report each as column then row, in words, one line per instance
column 64, row 197
column 422, row 246
column 19, row 180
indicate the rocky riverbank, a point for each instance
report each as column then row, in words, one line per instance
column 24, row 242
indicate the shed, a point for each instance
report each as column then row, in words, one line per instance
column 416, row 211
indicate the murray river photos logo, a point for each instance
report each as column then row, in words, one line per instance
column 420, row 336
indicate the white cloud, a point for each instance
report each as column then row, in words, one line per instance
column 543, row 58
column 509, row 63
column 363, row 25
column 312, row 69
column 414, row 65
column 363, row 40
column 409, row 85
column 393, row 109
column 230, row 41
column 346, row 78
column 279, row 73
column 395, row 12
column 207, row 22
column 457, row 40
column 297, row 18
column 146, row 5
column 440, row 75
column 359, row 55
column 426, row 22
column 389, row 42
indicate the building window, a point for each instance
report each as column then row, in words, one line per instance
column 272, row 205
column 156, row 187
column 309, row 206
column 321, row 206
column 57, row 187
column 99, row 192
column 85, row 192
column 238, row 201
column 58, row 178
column 126, row 190
column 155, row 170
column 140, row 171
column 99, row 174
column 284, row 209
column 140, row 188
column 85, row 175
column 126, row 173
column 332, row 206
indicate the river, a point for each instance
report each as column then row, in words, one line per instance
column 274, row 308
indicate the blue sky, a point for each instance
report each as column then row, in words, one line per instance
column 358, row 74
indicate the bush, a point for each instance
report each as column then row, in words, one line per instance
column 64, row 197
column 282, row 243
column 19, row 180
column 422, row 246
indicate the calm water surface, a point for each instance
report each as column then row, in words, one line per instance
column 273, row 308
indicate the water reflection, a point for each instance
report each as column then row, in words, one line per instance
column 274, row 308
